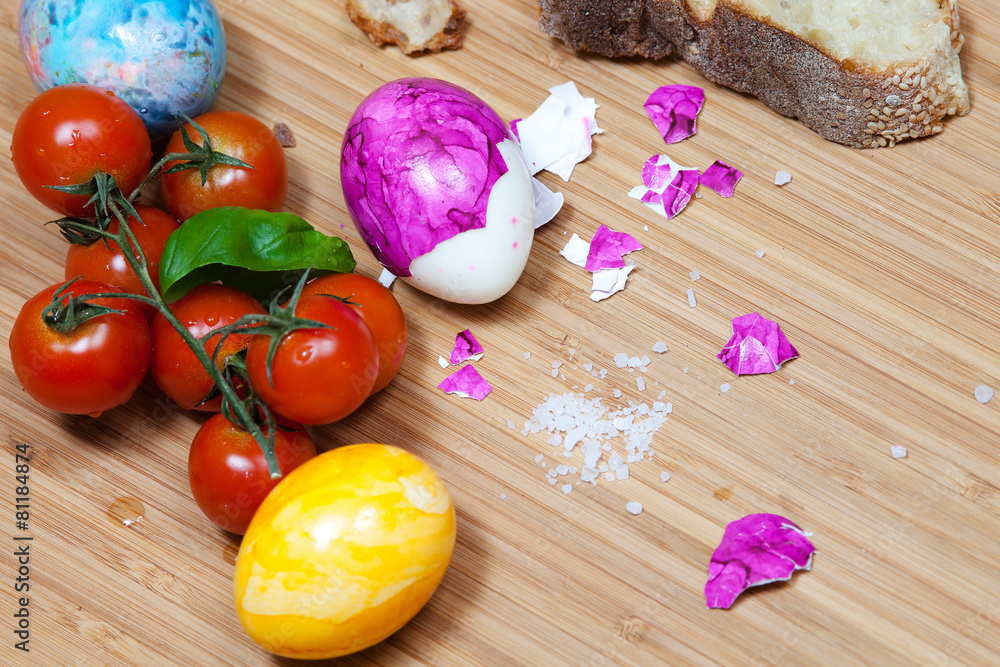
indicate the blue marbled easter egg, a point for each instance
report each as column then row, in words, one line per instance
column 160, row 56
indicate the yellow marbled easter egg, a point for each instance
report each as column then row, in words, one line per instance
column 343, row 552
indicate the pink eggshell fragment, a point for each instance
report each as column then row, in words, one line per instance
column 722, row 178
column 466, row 347
column 755, row 550
column 467, row 383
column 674, row 111
column 679, row 192
column 756, row 346
column 607, row 249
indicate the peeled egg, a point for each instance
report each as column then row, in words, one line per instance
column 439, row 190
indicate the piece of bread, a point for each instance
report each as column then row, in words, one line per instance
column 865, row 73
column 414, row 25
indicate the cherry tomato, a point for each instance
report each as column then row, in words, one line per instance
column 95, row 367
column 105, row 262
column 229, row 475
column 380, row 311
column 69, row 133
column 175, row 368
column 320, row 375
column 240, row 136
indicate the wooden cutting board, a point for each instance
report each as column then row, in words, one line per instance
column 881, row 267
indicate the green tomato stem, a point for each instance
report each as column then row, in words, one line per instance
column 136, row 258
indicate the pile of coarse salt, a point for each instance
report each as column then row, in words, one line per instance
column 577, row 422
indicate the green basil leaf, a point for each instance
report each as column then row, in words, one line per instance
column 257, row 251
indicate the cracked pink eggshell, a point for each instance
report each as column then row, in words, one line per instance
column 607, row 249
column 467, row 383
column 756, row 346
column 755, row 550
column 721, row 177
column 418, row 161
column 674, row 111
column 466, row 347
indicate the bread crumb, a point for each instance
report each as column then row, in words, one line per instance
column 284, row 135
column 415, row 25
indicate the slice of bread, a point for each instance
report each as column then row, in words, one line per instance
column 414, row 25
column 865, row 73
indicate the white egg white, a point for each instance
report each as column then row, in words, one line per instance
column 481, row 265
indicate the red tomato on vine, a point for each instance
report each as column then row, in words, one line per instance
column 261, row 185
column 105, row 262
column 319, row 375
column 378, row 308
column 175, row 368
column 90, row 369
column 228, row 474
column 69, row 133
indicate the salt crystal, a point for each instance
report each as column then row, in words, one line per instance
column 621, row 360
column 603, row 467
column 442, row 362
column 556, row 364
column 659, row 347
column 588, row 367
column 691, row 301
column 588, row 475
column 555, row 372
column 555, row 440
column 618, row 393
column 759, row 253
column 640, row 383
column 615, row 461
column 588, row 388
column 644, row 361
column 609, row 477
column 791, row 382
column 724, row 387
column 527, row 355
column 562, row 469
column 566, row 488
column 503, row 496
column 538, row 459
column 633, row 507
column 984, row 394
column 663, row 393
column 552, row 481
column 664, row 476
column 572, row 470
column 621, row 472
column 685, row 371
column 510, row 423
column 782, row 177
column 634, row 362
column 897, row 451
column 551, row 473
column 694, row 275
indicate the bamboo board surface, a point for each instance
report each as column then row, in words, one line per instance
column 881, row 266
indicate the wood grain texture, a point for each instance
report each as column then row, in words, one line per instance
column 882, row 268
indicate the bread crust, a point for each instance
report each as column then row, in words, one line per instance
column 386, row 32
column 843, row 102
